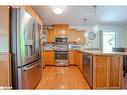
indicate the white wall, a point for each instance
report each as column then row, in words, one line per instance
column 122, row 37
column 121, row 31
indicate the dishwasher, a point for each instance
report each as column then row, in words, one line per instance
column 88, row 68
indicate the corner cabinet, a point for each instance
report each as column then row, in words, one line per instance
column 107, row 71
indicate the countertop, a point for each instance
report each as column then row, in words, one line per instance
column 98, row 52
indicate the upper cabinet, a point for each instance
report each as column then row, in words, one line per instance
column 76, row 36
column 72, row 35
column 50, row 35
column 61, row 29
column 80, row 37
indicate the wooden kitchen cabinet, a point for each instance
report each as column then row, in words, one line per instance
column 61, row 30
column 48, row 57
column 76, row 36
column 80, row 59
column 71, row 57
column 100, row 71
column 116, row 71
column 72, row 35
column 107, row 72
column 50, row 35
column 75, row 58
column 80, row 37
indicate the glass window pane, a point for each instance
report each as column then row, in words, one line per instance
column 108, row 41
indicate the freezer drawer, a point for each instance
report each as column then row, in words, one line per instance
column 31, row 75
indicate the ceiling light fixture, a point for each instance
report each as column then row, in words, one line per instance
column 58, row 9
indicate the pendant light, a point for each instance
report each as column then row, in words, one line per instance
column 96, row 26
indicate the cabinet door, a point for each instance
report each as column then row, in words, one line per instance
column 72, row 35
column 101, row 66
column 76, row 36
column 48, row 58
column 77, row 58
column 116, row 68
column 61, row 30
column 50, row 35
column 80, row 60
column 80, row 39
column 71, row 58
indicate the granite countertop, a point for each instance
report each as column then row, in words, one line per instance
column 98, row 52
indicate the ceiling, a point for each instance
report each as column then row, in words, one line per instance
column 75, row 15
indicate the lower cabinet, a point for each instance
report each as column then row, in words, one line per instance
column 75, row 58
column 48, row 57
column 71, row 57
column 80, row 60
column 107, row 72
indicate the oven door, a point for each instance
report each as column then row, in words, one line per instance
column 61, row 58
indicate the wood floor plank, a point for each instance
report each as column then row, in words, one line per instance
column 62, row 78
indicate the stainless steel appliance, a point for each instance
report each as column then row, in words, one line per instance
column 26, row 63
column 88, row 68
column 61, row 39
column 61, row 58
column 61, row 51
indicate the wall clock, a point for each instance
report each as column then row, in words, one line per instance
column 91, row 35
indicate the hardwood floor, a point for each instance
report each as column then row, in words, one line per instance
column 62, row 78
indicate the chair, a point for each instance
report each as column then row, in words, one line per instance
column 124, row 59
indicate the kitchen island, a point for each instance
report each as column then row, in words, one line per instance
column 103, row 70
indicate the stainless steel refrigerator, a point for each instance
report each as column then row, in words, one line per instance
column 25, row 50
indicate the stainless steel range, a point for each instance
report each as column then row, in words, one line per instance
column 61, row 51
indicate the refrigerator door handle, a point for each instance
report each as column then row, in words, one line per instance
column 28, row 68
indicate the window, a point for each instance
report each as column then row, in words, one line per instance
column 109, row 41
